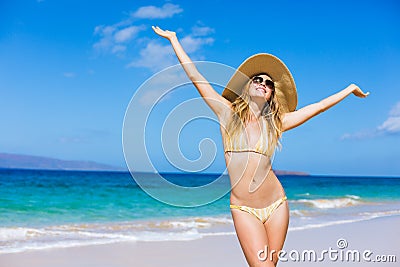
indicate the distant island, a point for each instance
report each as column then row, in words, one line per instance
column 17, row 161
column 280, row 172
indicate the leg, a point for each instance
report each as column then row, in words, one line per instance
column 252, row 236
column 276, row 227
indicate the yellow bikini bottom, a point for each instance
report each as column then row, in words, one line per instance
column 264, row 213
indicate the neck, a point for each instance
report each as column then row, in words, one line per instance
column 255, row 110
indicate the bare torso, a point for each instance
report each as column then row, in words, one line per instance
column 254, row 185
column 253, row 182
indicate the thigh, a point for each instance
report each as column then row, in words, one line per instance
column 276, row 227
column 252, row 236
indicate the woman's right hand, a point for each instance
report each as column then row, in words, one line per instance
column 357, row 91
column 166, row 34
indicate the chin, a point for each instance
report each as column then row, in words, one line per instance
column 258, row 98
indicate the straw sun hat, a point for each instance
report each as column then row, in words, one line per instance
column 285, row 90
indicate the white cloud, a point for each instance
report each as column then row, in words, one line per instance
column 153, row 54
column 104, row 30
column 162, row 85
column 360, row 135
column 69, row 74
column 150, row 97
column 152, row 12
column 155, row 57
column 395, row 111
column 112, row 36
column 192, row 44
column 390, row 126
column 118, row 48
column 126, row 34
column 106, row 34
column 202, row 31
column 85, row 136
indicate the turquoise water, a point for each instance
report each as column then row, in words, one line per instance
column 54, row 197
column 42, row 209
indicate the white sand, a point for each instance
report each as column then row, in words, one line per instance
column 381, row 236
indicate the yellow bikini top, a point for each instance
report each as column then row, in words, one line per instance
column 240, row 143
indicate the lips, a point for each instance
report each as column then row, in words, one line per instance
column 261, row 88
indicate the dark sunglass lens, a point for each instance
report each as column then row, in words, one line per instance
column 258, row 79
column 270, row 84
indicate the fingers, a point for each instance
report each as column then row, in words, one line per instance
column 362, row 94
column 164, row 33
column 156, row 29
column 357, row 91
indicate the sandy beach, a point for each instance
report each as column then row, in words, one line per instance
column 377, row 235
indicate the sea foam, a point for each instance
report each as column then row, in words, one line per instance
column 325, row 203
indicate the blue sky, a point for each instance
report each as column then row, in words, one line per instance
column 68, row 70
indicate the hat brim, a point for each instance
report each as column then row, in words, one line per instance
column 285, row 90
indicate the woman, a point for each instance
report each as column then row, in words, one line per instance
column 256, row 107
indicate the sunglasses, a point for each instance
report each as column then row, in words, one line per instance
column 268, row 83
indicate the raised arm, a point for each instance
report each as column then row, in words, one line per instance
column 298, row 117
column 214, row 100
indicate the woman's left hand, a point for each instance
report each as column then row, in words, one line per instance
column 357, row 91
column 166, row 34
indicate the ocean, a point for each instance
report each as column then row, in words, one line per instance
column 42, row 209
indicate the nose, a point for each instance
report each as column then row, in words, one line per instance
column 264, row 84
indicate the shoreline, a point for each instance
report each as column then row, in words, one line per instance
column 375, row 234
column 168, row 229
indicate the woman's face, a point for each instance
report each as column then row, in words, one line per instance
column 261, row 86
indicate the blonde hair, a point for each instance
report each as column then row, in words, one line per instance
column 272, row 114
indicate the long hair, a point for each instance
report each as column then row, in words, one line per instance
column 271, row 113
